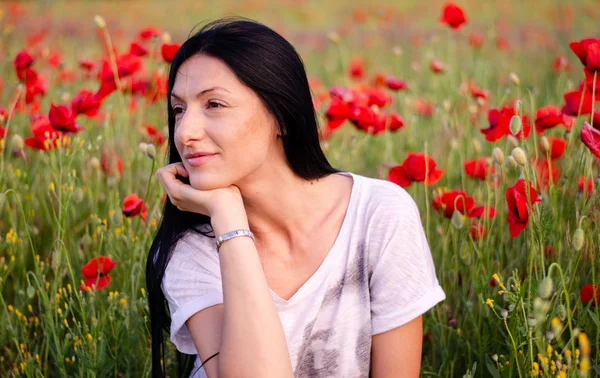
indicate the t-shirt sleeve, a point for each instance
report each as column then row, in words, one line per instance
column 403, row 282
column 192, row 282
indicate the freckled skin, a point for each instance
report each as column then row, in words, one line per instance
column 230, row 120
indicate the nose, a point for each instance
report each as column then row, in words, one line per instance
column 190, row 128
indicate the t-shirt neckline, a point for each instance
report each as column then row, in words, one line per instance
column 315, row 280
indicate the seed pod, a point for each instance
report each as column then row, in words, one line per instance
column 498, row 155
column 94, row 163
column 458, row 220
column 578, row 239
column 545, row 144
column 504, row 313
column 17, row 142
column 518, row 106
column 150, row 151
column 519, row 155
column 476, row 146
column 515, row 125
column 532, row 322
column 99, row 20
column 546, row 288
column 514, row 78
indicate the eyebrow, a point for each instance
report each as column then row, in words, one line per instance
column 199, row 94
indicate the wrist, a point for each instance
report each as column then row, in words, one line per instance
column 234, row 220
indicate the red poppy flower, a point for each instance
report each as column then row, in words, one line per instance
column 85, row 102
column 394, row 122
column 573, row 100
column 436, row 66
column 377, row 97
column 478, row 231
column 588, row 52
column 337, row 113
column 395, row 84
column 500, row 124
column 137, row 49
column 586, row 184
column 134, row 205
column 423, row 107
column 560, row 63
column 23, row 60
column 557, row 147
column 549, row 116
column 148, row 33
column 590, row 293
column 591, row 138
column 45, row 137
column 547, row 172
column 2, row 132
column 62, row 118
column 87, row 64
column 477, row 92
column 475, row 40
column 155, row 136
column 453, row 16
column 416, row 167
column 446, row 202
column 518, row 209
column 96, row 273
column 356, row 68
column 111, row 163
column 479, row 168
column 168, row 51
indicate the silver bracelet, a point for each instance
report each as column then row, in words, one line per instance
column 233, row 234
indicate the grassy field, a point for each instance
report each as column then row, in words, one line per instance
column 519, row 275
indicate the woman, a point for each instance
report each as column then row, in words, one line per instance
column 333, row 273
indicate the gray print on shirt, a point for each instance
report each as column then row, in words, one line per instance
column 317, row 356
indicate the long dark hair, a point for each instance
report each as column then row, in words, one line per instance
column 269, row 65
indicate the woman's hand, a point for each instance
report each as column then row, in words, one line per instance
column 207, row 202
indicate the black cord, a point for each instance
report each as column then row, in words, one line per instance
column 209, row 359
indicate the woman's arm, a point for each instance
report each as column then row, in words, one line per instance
column 246, row 329
column 397, row 352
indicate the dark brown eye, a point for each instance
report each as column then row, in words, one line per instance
column 177, row 110
column 214, row 104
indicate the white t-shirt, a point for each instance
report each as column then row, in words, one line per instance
column 378, row 275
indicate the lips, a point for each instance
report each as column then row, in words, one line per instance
column 197, row 159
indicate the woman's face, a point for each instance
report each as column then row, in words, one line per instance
column 215, row 113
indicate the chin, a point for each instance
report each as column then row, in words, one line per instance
column 202, row 181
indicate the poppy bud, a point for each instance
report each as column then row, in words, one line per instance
column 515, row 124
column 166, row 37
column 546, row 288
column 519, row 155
column 476, row 146
column 17, row 142
column 545, row 143
column 578, row 239
column 447, row 105
column 458, row 220
column 498, row 155
column 94, row 163
column 511, row 162
column 2, row 199
column 532, row 322
column 99, row 20
column 514, row 141
column 333, row 37
column 514, row 78
column 504, row 313
column 562, row 312
column 495, row 357
column 518, row 106
column 150, row 151
column 142, row 147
